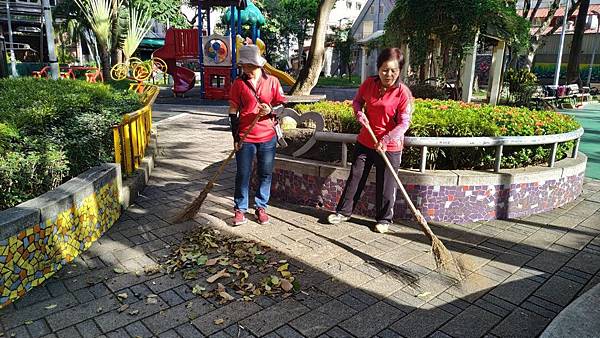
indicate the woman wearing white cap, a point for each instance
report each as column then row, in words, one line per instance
column 254, row 92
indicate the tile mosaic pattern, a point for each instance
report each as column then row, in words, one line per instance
column 453, row 204
column 35, row 254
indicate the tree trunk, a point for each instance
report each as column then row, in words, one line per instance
column 115, row 38
column 104, row 52
column 534, row 40
column 309, row 75
column 575, row 53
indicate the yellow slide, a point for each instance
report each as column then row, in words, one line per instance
column 281, row 75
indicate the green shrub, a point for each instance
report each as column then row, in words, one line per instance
column 53, row 130
column 25, row 175
column 435, row 118
column 522, row 84
column 427, row 91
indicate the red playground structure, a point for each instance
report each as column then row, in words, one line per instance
column 217, row 54
column 180, row 44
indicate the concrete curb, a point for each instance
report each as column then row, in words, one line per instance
column 580, row 319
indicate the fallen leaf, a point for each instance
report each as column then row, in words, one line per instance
column 190, row 274
column 122, row 296
column 202, row 260
column 219, row 321
column 284, row 267
column 212, row 261
column 221, row 274
column 50, row 307
column 283, row 261
column 226, row 296
column 151, row 299
column 123, row 308
column 237, row 266
column 189, row 305
column 274, row 280
column 197, row 290
column 99, row 309
column 28, row 322
column 424, row 294
column 118, row 270
column 220, row 287
column 286, row 285
column 286, row 274
column 134, row 312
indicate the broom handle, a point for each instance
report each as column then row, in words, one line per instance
column 224, row 164
column 414, row 210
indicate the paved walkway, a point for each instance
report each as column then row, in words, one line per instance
column 353, row 282
column 589, row 117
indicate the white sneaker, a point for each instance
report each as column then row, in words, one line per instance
column 382, row 228
column 337, row 218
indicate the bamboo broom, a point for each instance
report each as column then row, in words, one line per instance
column 443, row 258
column 192, row 209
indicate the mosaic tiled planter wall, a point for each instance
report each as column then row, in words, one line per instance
column 39, row 236
column 457, row 196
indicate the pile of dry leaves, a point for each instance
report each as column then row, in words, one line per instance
column 237, row 269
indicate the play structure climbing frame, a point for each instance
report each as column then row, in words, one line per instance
column 216, row 54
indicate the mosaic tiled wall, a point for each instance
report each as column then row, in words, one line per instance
column 34, row 254
column 453, row 204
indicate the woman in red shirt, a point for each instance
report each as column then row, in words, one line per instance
column 254, row 92
column 386, row 105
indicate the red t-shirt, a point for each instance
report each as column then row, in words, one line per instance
column 384, row 113
column 242, row 97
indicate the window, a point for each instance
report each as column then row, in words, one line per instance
column 367, row 28
column 358, row 6
column 372, row 10
column 217, row 81
column 380, row 8
column 349, row 4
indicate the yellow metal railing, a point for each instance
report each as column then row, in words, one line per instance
column 132, row 135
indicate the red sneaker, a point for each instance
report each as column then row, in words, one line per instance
column 261, row 216
column 239, row 218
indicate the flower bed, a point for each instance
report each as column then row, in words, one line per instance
column 53, row 130
column 435, row 118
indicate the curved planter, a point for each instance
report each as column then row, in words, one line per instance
column 455, row 196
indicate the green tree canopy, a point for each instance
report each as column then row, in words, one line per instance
column 455, row 23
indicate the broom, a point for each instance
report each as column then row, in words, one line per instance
column 192, row 209
column 442, row 256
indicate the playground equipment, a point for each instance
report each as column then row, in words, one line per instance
column 218, row 54
column 137, row 70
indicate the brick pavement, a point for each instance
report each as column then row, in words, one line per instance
column 355, row 283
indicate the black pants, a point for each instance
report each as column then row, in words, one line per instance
column 385, row 184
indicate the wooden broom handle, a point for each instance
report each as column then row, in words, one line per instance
column 414, row 210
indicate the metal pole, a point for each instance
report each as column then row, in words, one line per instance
column 200, row 51
column 13, row 61
column 50, row 39
column 233, row 34
column 589, row 77
column 562, row 42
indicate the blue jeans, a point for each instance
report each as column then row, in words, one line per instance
column 265, row 154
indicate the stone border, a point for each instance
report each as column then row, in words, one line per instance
column 41, row 235
column 457, row 196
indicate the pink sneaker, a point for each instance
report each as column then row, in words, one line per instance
column 239, row 218
column 261, row 216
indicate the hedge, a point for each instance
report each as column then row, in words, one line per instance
column 437, row 118
column 53, row 130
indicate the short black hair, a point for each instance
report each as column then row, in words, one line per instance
column 390, row 54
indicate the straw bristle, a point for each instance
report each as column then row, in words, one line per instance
column 445, row 261
column 192, row 209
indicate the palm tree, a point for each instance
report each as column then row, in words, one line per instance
column 99, row 14
column 139, row 24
